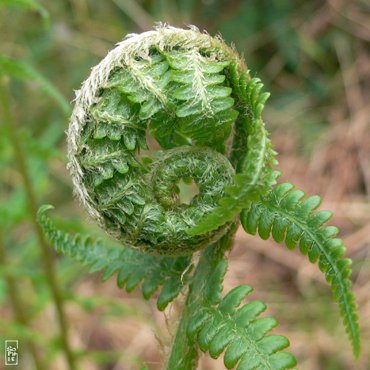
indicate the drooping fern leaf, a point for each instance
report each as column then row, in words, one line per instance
column 256, row 176
column 289, row 216
column 133, row 267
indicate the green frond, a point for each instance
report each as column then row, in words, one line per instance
column 240, row 333
column 200, row 102
column 132, row 267
column 256, row 176
column 200, row 87
column 217, row 323
column 28, row 5
column 25, row 72
column 289, row 216
column 145, row 84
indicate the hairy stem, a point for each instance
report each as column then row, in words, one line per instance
column 46, row 257
column 184, row 354
column 17, row 306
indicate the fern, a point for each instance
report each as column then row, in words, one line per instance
column 132, row 267
column 240, row 333
column 217, row 325
column 288, row 216
column 190, row 92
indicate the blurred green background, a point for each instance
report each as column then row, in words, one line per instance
column 313, row 56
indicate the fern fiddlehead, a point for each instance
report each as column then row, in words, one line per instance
column 194, row 96
column 187, row 89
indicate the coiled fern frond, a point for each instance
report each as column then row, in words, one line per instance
column 187, row 90
column 290, row 217
column 191, row 97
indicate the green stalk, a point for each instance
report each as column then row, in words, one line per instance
column 184, row 354
column 17, row 306
column 45, row 251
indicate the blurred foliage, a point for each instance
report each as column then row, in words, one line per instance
column 47, row 49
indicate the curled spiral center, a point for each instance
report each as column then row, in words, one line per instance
column 210, row 170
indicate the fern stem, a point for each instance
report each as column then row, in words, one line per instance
column 184, row 354
column 46, row 257
column 17, row 305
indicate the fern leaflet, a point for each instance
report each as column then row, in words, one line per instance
column 132, row 266
column 289, row 217
column 256, row 176
column 218, row 325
